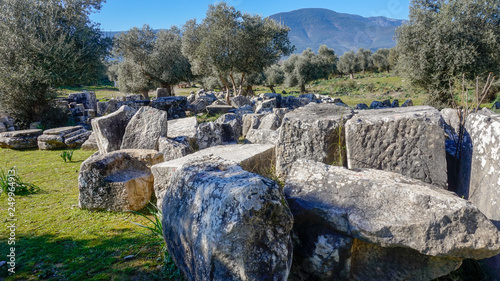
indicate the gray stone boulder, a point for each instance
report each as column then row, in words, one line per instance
column 162, row 92
column 23, row 139
column 376, row 105
column 361, row 106
column 407, row 103
column 209, row 134
column 173, row 149
column 184, row 127
column 311, row 132
column 240, row 101
column 292, row 102
column 174, row 106
column 401, row 228
column 118, row 181
column 250, row 121
column 90, row 143
column 73, row 136
column 484, row 186
column 145, row 128
column 88, row 99
column 198, row 106
column 231, row 127
column 221, row 222
column 262, row 136
column 395, row 103
column 270, row 122
column 266, row 106
column 409, row 141
column 109, row 129
column 255, row 158
column 218, row 109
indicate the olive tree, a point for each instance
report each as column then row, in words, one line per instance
column 328, row 60
column 45, row 45
column 303, row 68
column 156, row 55
column 348, row 64
column 364, row 59
column 273, row 76
column 381, row 59
column 228, row 43
column 443, row 40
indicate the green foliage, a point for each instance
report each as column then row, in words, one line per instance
column 228, row 43
column 348, row 64
column 364, row 59
column 381, row 59
column 10, row 180
column 306, row 67
column 67, row 155
column 150, row 58
column 156, row 229
column 45, row 45
column 445, row 39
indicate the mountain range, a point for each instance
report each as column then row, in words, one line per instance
column 312, row 27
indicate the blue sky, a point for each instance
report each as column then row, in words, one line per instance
column 119, row 15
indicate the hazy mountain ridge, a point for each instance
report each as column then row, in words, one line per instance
column 313, row 27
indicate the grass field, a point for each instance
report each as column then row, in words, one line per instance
column 56, row 240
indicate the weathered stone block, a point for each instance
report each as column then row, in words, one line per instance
column 255, row 158
column 174, row 106
column 109, row 129
column 209, row 134
column 218, row 109
column 262, row 136
column 23, row 139
column 409, row 141
column 310, row 132
column 118, row 181
column 90, row 143
column 223, row 223
column 427, row 229
column 172, row 149
column 145, row 128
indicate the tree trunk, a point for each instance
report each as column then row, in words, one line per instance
column 234, row 84
column 303, row 89
column 271, row 87
column 145, row 94
column 249, row 91
column 227, row 89
column 169, row 88
column 351, row 75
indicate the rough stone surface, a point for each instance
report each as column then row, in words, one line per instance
column 271, row 122
column 361, row 106
column 409, row 141
column 73, row 136
column 172, row 149
column 174, row 106
column 90, row 143
column 88, row 99
column 23, row 139
column 145, row 128
column 310, row 132
column 109, row 129
column 406, row 217
column 262, row 136
column 407, row 103
column 292, row 102
column 484, row 188
column 255, row 158
column 209, row 134
column 250, row 121
column 198, row 106
column 218, row 109
column 266, row 105
column 223, row 223
column 231, row 127
column 240, row 101
column 162, row 92
column 184, row 127
column 118, row 181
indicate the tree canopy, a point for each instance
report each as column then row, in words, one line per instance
column 228, row 43
column 445, row 39
column 45, row 45
column 348, row 64
column 156, row 56
column 306, row 67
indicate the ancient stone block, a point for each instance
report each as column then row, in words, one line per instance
column 145, row 128
column 109, row 129
column 23, row 139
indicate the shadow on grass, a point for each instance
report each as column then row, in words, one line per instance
column 59, row 258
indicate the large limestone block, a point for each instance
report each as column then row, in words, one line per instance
column 250, row 121
column 183, row 127
column 57, row 138
column 209, row 134
column 221, row 222
column 23, row 139
column 262, row 136
column 145, row 128
column 409, row 141
column 271, row 122
column 311, row 132
column 484, row 187
column 231, row 127
column 109, row 129
column 173, row 149
column 402, row 217
column 174, row 106
column 118, row 181
column 90, row 143
column 255, row 158
column 88, row 99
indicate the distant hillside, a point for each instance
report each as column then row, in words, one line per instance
column 310, row 28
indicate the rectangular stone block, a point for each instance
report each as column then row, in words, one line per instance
column 407, row 140
column 255, row 158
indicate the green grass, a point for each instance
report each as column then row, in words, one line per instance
column 56, row 240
